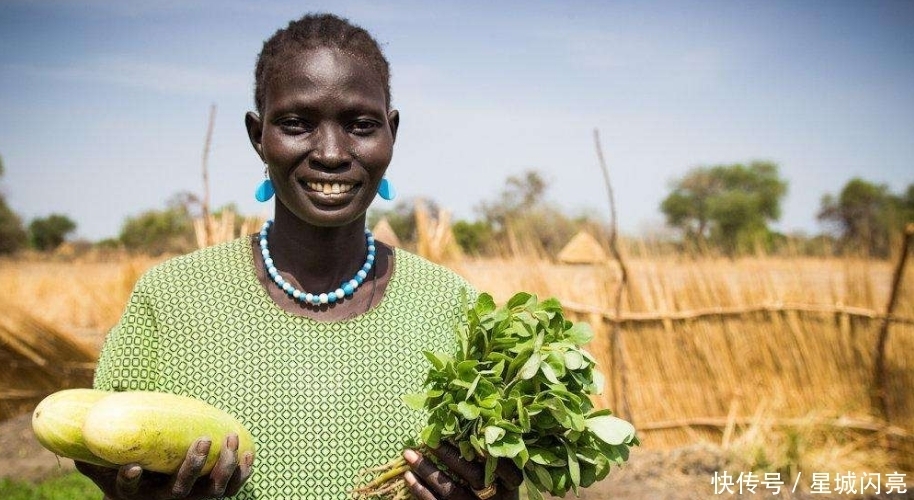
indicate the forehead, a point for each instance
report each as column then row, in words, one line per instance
column 322, row 74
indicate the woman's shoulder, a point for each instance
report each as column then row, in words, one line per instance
column 213, row 262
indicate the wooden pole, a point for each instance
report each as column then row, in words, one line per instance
column 881, row 393
column 620, row 394
column 207, row 220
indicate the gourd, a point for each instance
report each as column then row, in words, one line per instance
column 58, row 419
column 151, row 429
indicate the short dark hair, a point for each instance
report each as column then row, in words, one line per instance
column 313, row 31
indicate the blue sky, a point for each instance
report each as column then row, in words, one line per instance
column 104, row 105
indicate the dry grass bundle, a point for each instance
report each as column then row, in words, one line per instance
column 384, row 232
column 434, row 238
column 82, row 297
column 212, row 229
column 38, row 359
column 583, row 249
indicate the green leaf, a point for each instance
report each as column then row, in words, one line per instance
column 438, row 360
column 573, row 360
column 467, row 410
column 545, row 457
column 484, row 304
column 549, row 372
column 523, row 417
column 533, row 493
column 579, row 333
column 611, row 429
column 574, row 468
column 598, row 382
column 509, row 446
column 466, row 451
column 494, row 433
column 472, row 387
column 415, row 401
column 542, row 477
column 431, row 436
column 519, row 299
column 491, row 464
column 530, row 367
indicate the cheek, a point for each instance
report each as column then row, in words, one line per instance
column 376, row 156
column 280, row 150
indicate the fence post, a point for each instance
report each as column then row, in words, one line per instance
column 881, row 394
column 620, row 403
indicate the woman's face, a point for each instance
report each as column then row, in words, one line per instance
column 326, row 135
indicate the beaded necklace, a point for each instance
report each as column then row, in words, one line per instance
column 346, row 288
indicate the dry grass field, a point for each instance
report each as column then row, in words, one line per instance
column 770, row 359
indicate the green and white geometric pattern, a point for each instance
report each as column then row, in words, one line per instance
column 322, row 399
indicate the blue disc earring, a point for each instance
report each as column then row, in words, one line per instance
column 386, row 189
column 265, row 190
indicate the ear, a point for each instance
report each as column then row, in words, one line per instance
column 393, row 118
column 255, row 132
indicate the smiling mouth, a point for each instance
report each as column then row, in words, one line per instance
column 330, row 188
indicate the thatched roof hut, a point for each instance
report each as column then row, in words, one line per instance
column 37, row 359
column 383, row 232
column 583, row 249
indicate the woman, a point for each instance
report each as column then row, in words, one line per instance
column 310, row 331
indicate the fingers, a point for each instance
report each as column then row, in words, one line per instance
column 241, row 474
column 510, row 476
column 225, row 466
column 471, row 472
column 128, row 480
column 190, row 469
column 427, row 482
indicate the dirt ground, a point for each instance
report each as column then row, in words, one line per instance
column 681, row 474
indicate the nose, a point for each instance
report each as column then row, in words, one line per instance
column 330, row 147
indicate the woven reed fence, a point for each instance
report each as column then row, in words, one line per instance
column 695, row 374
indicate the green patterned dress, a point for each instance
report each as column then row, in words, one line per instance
column 322, row 399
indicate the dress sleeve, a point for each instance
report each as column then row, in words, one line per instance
column 129, row 356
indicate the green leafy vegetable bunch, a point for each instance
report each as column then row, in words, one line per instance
column 518, row 388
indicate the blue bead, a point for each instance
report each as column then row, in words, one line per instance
column 331, row 298
column 359, row 279
column 348, row 289
column 316, row 300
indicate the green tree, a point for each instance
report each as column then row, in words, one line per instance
column 473, row 237
column 12, row 235
column 162, row 231
column 867, row 215
column 520, row 214
column 729, row 206
column 49, row 232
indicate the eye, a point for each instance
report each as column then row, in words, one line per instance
column 364, row 127
column 294, row 125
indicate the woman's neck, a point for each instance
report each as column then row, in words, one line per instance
column 319, row 258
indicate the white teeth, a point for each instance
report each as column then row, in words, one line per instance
column 330, row 188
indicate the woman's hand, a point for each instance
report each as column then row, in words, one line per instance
column 131, row 482
column 427, row 482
